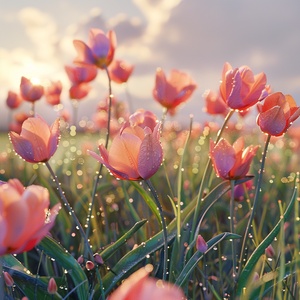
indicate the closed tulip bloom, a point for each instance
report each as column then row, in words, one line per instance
column 139, row 286
column 37, row 141
column 79, row 91
column 143, row 118
column 99, row 51
column 135, row 153
column 25, row 217
column 53, row 92
column 277, row 113
column 231, row 161
column 29, row 91
column 120, row 71
column 175, row 90
column 13, row 100
column 240, row 88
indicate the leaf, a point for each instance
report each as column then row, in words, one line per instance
column 244, row 276
column 69, row 263
column 194, row 260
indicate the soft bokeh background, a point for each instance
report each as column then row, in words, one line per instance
column 196, row 36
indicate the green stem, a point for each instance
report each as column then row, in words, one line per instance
column 232, row 220
column 75, row 111
column 206, row 176
column 255, row 201
column 1, row 280
column 164, row 227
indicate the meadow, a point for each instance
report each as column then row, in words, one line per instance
column 205, row 211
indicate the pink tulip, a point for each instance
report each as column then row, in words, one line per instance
column 81, row 74
column 139, row 286
column 79, row 91
column 240, row 88
column 214, row 103
column 135, row 153
column 13, row 100
column 143, row 118
column 29, row 91
column 37, row 141
column 120, row 71
column 172, row 92
column 231, row 162
column 99, row 51
column 53, row 92
column 201, row 244
column 25, row 217
column 277, row 113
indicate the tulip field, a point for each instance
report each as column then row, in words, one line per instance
column 139, row 206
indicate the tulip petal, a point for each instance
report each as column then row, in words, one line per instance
column 151, row 154
column 22, row 147
column 84, row 53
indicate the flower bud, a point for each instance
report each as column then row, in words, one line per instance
column 8, row 279
column 201, row 245
column 52, row 286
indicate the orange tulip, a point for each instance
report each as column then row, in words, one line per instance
column 240, row 88
column 99, row 51
column 37, row 141
column 120, row 71
column 135, row 153
column 172, row 92
column 231, row 162
column 25, row 217
column 139, row 286
column 277, row 113
column 29, row 91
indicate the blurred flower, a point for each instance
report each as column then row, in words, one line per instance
column 13, row 100
column 99, row 51
column 170, row 93
column 53, row 92
column 37, row 141
column 120, row 71
column 25, row 217
column 79, row 77
column 277, row 113
column 240, row 88
column 269, row 251
column 135, row 153
column 215, row 105
column 139, row 286
column 143, row 118
column 30, row 91
column 231, row 162
column 201, row 244
column 52, row 286
column 239, row 190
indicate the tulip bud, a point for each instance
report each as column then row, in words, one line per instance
column 201, row 245
column 80, row 259
column 89, row 265
column 52, row 286
column 98, row 259
column 8, row 279
column 269, row 251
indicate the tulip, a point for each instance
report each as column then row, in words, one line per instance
column 99, row 51
column 214, row 103
column 120, row 71
column 135, row 153
column 13, row 100
column 81, row 74
column 172, row 92
column 29, row 91
column 240, row 88
column 277, row 113
column 201, row 244
column 37, row 141
column 53, row 92
column 52, row 286
column 139, row 286
column 25, row 217
column 231, row 162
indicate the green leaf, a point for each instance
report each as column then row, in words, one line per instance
column 194, row 260
column 110, row 250
column 69, row 263
column 247, row 270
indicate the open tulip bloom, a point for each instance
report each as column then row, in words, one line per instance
column 25, row 217
column 135, row 153
column 37, row 141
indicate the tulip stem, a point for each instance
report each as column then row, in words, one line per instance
column 232, row 219
column 1, row 280
column 255, row 201
column 206, row 176
column 164, row 226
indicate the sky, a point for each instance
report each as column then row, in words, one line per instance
column 194, row 36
